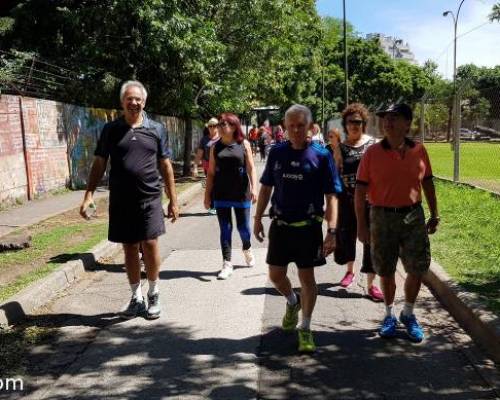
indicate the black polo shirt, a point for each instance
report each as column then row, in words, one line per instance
column 134, row 155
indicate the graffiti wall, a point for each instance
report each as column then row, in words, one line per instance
column 13, row 181
column 59, row 144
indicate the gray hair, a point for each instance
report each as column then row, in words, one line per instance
column 299, row 109
column 128, row 84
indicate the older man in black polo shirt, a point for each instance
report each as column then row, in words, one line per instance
column 138, row 151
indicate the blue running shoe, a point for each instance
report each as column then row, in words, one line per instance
column 388, row 328
column 413, row 328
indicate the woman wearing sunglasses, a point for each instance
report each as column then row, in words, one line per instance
column 349, row 153
column 231, row 184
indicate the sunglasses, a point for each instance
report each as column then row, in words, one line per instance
column 355, row 121
column 225, row 123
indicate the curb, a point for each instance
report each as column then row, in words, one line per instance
column 467, row 309
column 41, row 292
column 36, row 295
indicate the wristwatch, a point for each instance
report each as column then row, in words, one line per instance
column 331, row 231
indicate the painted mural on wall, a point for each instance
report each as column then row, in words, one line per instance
column 82, row 127
column 61, row 139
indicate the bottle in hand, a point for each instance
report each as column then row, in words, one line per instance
column 90, row 210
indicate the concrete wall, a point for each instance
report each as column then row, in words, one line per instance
column 60, row 141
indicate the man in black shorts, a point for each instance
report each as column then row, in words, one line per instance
column 138, row 151
column 303, row 176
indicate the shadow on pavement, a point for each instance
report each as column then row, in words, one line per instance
column 152, row 361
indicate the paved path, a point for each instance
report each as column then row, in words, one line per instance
column 220, row 339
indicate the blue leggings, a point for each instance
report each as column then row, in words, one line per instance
column 226, row 229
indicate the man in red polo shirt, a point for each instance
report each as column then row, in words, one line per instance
column 392, row 173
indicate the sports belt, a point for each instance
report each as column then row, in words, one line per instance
column 298, row 224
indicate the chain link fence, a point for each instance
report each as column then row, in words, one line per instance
column 478, row 123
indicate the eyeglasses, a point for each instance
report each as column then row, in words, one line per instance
column 213, row 126
column 355, row 121
column 224, row 123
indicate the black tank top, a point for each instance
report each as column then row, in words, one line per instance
column 351, row 157
column 231, row 180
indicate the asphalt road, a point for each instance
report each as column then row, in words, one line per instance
column 221, row 339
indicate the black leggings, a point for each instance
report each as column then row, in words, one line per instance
column 347, row 234
column 226, row 229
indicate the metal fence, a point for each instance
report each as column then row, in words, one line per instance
column 477, row 161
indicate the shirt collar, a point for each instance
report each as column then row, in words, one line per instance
column 146, row 121
column 386, row 146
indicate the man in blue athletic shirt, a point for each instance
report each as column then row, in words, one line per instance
column 303, row 176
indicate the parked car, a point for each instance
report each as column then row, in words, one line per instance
column 467, row 134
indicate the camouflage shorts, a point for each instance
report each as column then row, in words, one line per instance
column 394, row 235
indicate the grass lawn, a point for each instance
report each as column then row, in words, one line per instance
column 479, row 162
column 467, row 245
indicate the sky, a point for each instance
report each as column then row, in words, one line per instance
column 428, row 33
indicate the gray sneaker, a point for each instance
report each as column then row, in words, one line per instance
column 153, row 306
column 133, row 309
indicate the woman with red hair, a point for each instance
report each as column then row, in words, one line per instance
column 231, row 184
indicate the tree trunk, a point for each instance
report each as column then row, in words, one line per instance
column 188, row 147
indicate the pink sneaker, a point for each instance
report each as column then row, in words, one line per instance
column 375, row 294
column 347, row 279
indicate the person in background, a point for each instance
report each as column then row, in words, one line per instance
column 264, row 141
column 210, row 137
column 334, row 140
column 317, row 136
column 253, row 137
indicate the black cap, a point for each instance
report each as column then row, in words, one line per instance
column 401, row 108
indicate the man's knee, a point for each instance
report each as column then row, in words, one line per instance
column 307, row 278
column 277, row 274
column 129, row 248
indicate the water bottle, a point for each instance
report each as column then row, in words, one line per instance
column 90, row 210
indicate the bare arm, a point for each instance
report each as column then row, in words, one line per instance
column 359, row 206
column 167, row 173
column 96, row 172
column 262, row 202
column 430, row 197
column 210, row 179
column 331, row 213
column 252, row 174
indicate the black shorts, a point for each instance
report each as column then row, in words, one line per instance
column 345, row 250
column 301, row 245
column 134, row 221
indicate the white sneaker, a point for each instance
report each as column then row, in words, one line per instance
column 226, row 271
column 249, row 258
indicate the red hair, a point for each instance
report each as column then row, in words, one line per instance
column 234, row 121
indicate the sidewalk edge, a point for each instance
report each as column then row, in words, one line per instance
column 482, row 325
column 41, row 292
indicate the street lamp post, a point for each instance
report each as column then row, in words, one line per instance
column 346, row 72
column 456, row 143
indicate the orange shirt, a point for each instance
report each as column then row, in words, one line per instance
column 394, row 181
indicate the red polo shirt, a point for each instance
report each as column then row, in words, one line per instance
column 393, row 180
